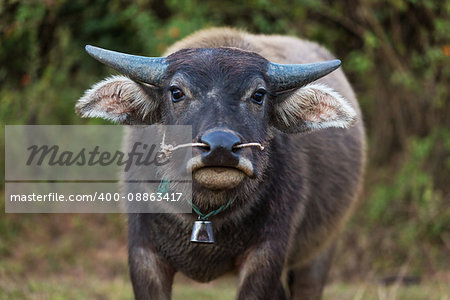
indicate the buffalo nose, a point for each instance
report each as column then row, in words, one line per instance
column 220, row 152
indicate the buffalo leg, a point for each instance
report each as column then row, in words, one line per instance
column 150, row 273
column 151, row 276
column 307, row 282
column 260, row 275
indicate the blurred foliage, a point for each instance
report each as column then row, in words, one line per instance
column 395, row 53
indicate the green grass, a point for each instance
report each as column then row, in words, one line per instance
column 369, row 291
column 95, row 287
column 68, row 256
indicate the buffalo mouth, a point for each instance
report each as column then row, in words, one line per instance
column 219, row 177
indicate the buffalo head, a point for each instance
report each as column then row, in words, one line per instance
column 229, row 96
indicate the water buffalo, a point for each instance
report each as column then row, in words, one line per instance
column 291, row 199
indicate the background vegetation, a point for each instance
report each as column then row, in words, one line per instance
column 396, row 54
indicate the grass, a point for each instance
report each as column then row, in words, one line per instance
column 433, row 290
column 94, row 287
column 68, row 256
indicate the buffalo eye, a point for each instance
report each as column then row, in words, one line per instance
column 177, row 94
column 258, row 96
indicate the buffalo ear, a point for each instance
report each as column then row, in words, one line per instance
column 120, row 100
column 312, row 107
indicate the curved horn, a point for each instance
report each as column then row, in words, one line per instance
column 286, row 77
column 146, row 69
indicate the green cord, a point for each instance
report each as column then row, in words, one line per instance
column 212, row 213
column 164, row 187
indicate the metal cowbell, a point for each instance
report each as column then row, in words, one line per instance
column 202, row 232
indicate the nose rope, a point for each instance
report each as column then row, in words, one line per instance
column 261, row 147
column 167, row 149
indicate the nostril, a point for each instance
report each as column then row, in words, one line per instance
column 220, row 146
column 221, row 141
column 206, row 147
column 235, row 149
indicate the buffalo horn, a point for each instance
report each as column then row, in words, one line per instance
column 286, row 77
column 146, row 69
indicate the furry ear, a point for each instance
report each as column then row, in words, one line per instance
column 120, row 100
column 313, row 107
